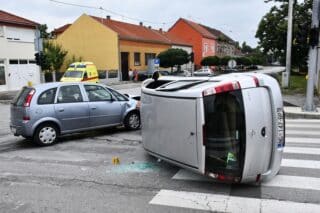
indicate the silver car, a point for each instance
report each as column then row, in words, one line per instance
column 45, row 111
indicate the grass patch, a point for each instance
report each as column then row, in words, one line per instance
column 297, row 84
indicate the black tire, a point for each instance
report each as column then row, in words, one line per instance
column 132, row 121
column 46, row 134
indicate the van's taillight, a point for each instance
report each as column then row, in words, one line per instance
column 224, row 178
column 222, row 88
column 256, row 81
column 29, row 98
column 26, row 118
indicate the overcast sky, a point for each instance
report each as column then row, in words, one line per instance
column 237, row 18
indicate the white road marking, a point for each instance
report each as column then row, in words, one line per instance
column 302, row 150
column 226, row 203
column 308, row 164
column 303, row 133
column 297, row 182
column 303, row 140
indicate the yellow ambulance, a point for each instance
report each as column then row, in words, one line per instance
column 81, row 71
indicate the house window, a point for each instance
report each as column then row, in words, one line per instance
column 149, row 56
column 13, row 61
column 137, row 61
column 23, row 61
column 2, row 75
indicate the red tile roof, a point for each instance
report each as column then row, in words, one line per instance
column 61, row 29
column 197, row 27
column 8, row 18
column 142, row 33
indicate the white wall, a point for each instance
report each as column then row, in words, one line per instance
column 18, row 44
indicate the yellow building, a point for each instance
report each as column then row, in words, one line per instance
column 114, row 45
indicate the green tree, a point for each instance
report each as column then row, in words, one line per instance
column 272, row 31
column 55, row 55
column 43, row 31
column 210, row 61
column 173, row 57
column 224, row 60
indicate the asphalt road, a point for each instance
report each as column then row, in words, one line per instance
column 77, row 175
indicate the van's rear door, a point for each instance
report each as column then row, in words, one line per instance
column 169, row 128
column 258, row 116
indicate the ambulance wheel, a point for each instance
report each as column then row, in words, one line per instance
column 132, row 121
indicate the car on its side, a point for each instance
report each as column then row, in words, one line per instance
column 46, row 111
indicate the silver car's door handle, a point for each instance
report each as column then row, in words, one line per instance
column 93, row 107
column 61, row 110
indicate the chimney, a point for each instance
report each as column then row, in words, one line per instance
column 108, row 17
column 160, row 30
column 141, row 23
column 149, row 27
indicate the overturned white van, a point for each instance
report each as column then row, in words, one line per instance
column 229, row 127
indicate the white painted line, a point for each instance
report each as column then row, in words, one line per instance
column 309, row 134
column 308, row 164
column 297, row 182
column 303, row 140
column 302, row 150
column 303, row 121
column 226, row 203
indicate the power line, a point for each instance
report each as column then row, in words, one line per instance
column 109, row 11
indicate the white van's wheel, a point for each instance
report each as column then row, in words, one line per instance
column 132, row 121
column 46, row 134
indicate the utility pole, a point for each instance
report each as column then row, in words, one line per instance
column 314, row 41
column 286, row 74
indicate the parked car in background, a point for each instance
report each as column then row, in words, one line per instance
column 143, row 75
column 184, row 73
column 203, row 72
column 46, row 111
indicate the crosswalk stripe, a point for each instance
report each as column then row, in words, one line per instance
column 303, row 121
column 303, row 140
column 308, row 164
column 226, row 203
column 302, row 150
column 303, row 133
column 297, row 182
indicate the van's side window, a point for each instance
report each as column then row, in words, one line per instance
column 47, row 97
column 97, row 93
column 85, row 75
column 69, row 94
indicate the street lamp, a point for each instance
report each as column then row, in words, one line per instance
column 286, row 74
column 314, row 41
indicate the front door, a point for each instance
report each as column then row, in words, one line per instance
column 104, row 109
column 258, row 130
column 125, row 66
column 71, row 110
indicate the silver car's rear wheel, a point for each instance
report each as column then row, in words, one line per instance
column 46, row 134
column 132, row 121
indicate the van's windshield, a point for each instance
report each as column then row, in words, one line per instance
column 73, row 74
column 224, row 133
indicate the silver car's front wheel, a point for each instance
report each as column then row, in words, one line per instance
column 132, row 121
column 46, row 134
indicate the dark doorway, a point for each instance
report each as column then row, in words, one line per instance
column 125, row 66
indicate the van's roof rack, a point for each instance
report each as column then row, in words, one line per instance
column 185, row 86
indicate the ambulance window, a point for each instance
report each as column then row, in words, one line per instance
column 85, row 75
column 224, row 132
